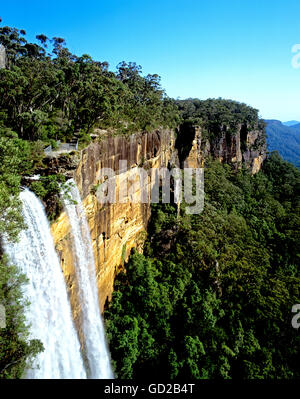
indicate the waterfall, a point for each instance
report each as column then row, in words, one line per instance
column 93, row 329
column 49, row 313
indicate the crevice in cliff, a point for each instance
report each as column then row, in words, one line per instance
column 184, row 141
column 243, row 137
column 228, row 138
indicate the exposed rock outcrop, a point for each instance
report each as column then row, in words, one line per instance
column 118, row 227
column 245, row 146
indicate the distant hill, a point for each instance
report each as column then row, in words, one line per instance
column 284, row 139
column 290, row 123
column 297, row 126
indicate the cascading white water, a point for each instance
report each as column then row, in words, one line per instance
column 93, row 329
column 49, row 312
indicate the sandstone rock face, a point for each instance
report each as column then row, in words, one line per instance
column 195, row 158
column 115, row 227
column 244, row 146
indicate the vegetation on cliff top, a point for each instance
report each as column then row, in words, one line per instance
column 211, row 296
column 47, row 93
column 217, row 114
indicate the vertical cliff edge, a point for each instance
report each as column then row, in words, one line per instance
column 242, row 146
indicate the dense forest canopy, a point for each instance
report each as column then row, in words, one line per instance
column 220, row 111
column 47, row 93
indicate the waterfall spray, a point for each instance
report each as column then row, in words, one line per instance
column 49, row 313
column 93, row 328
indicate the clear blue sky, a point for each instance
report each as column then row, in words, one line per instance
column 238, row 49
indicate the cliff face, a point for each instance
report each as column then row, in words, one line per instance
column 118, row 227
column 115, row 228
column 243, row 146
